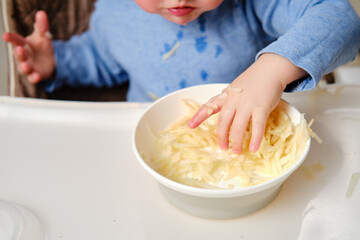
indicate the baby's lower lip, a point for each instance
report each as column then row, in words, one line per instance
column 180, row 11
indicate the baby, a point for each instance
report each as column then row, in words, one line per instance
column 260, row 47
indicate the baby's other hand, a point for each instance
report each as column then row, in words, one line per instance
column 250, row 97
column 34, row 53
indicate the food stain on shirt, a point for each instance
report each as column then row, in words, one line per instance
column 153, row 96
column 204, row 75
column 200, row 44
column 183, row 83
column 170, row 49
column 218, row 51
column 202, row 22
column 180, row 35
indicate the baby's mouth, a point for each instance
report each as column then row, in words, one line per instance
column 180, row 11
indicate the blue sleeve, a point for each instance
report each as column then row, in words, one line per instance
column 86, row 60
column 316, row 35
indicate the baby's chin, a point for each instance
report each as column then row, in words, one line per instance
column 181, row 20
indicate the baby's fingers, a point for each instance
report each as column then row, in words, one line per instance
column 34, row 78
column 202, row 114
column 14, row 39
column 20, row 53
column 25, row 68
column 225, row 120
column 41, row 23
column 238, row 128
column 211, row 107
column 259, row 118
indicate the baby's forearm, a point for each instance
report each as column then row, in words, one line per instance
column 276, row 68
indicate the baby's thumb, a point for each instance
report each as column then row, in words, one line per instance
column 41, row 25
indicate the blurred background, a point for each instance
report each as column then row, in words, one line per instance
column 18, row 16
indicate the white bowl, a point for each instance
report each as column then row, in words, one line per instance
column 209, row 203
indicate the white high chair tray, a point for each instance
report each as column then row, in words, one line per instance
column 71, row 164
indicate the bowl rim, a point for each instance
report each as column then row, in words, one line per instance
column 213, row 193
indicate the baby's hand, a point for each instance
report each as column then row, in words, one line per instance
column 34, row 53
column 251, row 96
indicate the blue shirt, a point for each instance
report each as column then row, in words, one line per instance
column 125, row 43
